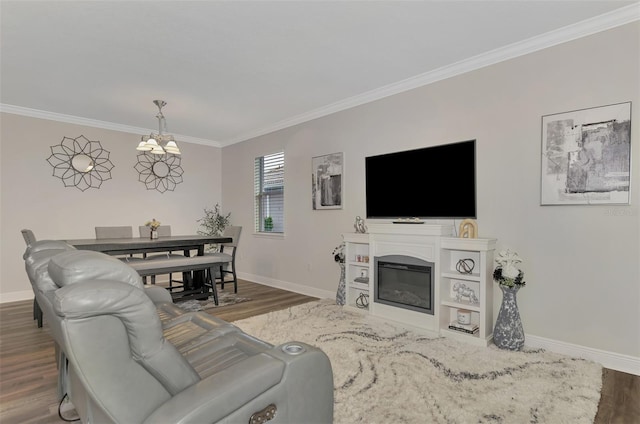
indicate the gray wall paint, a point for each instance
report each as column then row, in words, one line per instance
column 580, row 262
column 33, row 198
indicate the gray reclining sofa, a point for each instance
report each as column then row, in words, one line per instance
column 127, row 354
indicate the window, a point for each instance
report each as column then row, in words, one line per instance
column 269, row 193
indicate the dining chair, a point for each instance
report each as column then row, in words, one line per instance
column 227, row 254
column 114, row 232
column 30, row 238
column 163, row 231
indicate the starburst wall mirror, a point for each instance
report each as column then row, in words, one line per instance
column 80, row 163
column 159, row 172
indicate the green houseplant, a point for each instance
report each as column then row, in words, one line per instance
column 268, row 223
column 213, row 224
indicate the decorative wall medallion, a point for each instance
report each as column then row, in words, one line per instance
column 159, row 172
column 80, row 163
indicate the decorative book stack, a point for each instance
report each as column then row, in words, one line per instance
column 464, row 328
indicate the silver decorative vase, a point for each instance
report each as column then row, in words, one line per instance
column 508, row 332
column 340, row 294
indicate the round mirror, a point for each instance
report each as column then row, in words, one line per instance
column 161, row 169
column 82, row 163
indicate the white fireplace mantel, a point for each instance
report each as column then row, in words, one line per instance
column 420, row 241
column 432, row 243
column 411, row 230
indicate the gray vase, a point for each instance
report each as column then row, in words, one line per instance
column 508, row 332
column 340, row 294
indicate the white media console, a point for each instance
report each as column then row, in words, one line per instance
column 432, row 243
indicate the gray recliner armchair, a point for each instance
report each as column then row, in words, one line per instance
column 132, row 358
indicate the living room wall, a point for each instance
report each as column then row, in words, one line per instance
column 580, row 262
column 32, row 198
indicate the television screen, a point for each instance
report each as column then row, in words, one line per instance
column 431, row 182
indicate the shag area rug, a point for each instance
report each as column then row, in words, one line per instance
column 224, row 299
column 386, row 374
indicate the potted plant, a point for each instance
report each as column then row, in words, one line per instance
column 338, row 256
column 213, row 224
column 508, row 332
column 268, row 223
column 153, row 226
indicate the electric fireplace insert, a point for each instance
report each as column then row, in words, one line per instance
column 404, row 282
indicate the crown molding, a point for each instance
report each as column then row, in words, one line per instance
column 581, row 29
column 78, row 120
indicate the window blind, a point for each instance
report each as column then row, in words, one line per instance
column 269, row 193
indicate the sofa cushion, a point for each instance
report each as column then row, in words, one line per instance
column 37, row 264
column 75, row 266
column 40, row 245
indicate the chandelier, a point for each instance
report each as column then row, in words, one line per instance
column 161, row 143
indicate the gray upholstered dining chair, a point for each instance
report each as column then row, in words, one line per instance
column 163, row 231
column 114, row 232
column 28, row 236
column 227, row 254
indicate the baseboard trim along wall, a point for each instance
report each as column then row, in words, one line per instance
column 284, row 285
column 16, row 296
column 611, row 360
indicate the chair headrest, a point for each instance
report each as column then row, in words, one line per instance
column 75, row 266
column 234, row 232
column 81, row 302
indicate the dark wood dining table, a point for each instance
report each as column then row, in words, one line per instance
column 124, row 246
column 141, row 245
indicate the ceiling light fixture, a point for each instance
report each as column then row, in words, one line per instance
column 161, row 143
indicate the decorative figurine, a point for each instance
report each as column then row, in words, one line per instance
column 461, row 290
column 469, row 229
column 359, row 225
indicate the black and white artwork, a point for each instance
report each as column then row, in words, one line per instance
column 586, row 156
column 327, row 181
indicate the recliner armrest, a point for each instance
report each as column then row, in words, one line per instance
column 158, row 294
column 219, row 395
column 302, row 394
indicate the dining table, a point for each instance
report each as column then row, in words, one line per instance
column 142, row 245
column 133, row 245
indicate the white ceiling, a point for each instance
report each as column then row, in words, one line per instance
column 231, row 70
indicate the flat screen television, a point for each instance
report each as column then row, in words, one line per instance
column 431, row 182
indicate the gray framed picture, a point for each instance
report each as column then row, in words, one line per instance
column 327, row 181
column 586, row 156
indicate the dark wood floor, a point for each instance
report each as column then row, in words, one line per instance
column 28, row 371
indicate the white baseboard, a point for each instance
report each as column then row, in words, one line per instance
column 611, row 360
column 16, row 296
column 285, row 285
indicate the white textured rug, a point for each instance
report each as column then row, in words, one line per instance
column 387, row 375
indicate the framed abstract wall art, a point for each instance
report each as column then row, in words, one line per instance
column 327, row 181
column 586, row 156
